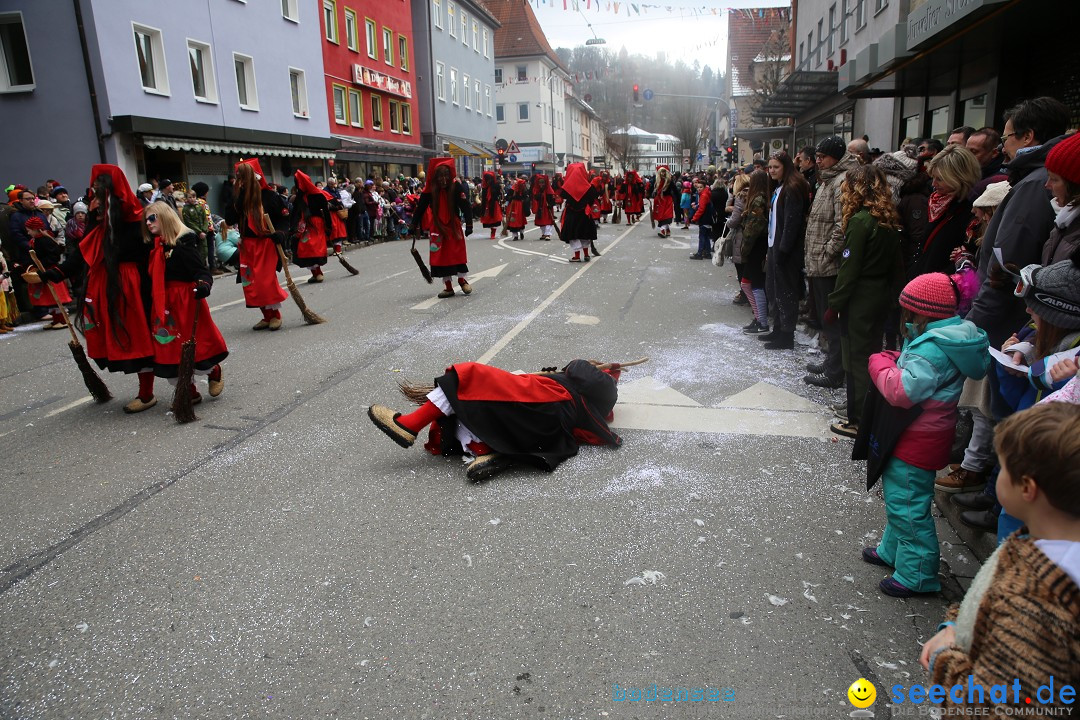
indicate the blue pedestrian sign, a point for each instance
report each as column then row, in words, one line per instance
column 511, row 159
column 648, row 94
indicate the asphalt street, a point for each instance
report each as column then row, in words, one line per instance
column 282, row 558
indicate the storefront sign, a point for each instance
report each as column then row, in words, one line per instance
column 933, row 16
column 379, row 81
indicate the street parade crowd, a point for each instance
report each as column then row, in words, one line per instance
column 938, row 278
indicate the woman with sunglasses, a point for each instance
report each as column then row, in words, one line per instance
column 179, row 285
column 113, row 308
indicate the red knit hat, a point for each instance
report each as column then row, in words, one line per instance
column 1064, row 159
column 932, row 295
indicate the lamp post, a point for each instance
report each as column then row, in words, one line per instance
column 551, row 95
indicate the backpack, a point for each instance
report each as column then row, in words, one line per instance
column 714, row 211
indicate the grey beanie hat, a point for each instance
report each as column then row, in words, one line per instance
column 1055, row 295
column 833, row 146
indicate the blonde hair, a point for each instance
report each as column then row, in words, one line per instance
column 741, row 183
column 170, row 223
column 865, row 186
column 957, row 167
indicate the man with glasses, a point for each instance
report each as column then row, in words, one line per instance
column 25, row 208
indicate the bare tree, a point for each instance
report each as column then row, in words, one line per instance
column 620, row 147
column 770, row 68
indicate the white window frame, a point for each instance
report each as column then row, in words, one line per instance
column 475, row 36
column 377, row 122
column 157, row 51
column 249, row 81
column 406, row 112
column 395, row 117
column 209, row 79
column 335, row 91
column 525, row 106
column 388, row 46
column 486, row 52
column 290, row 10
column 498, row 76
column 300, row 108
column 403, row 52
column 352, row 32
column 6, row 84
column 518, row 74
column 332, row 34
column 476, row 97
column 500, row 109
column 371, row 37
column 487, row 98
column 464, row 28
column 468, row 91
column 355, row 119
column 436, row 13
column 454, row 97
column 440, row 80
column 451, row 18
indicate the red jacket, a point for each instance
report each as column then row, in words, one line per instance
column 702, row 205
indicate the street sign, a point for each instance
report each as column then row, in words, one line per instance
column 513, row 148
column 648, row 94
column 500, row 144
column 686, row 154
column 511, row 159
column 561, row 156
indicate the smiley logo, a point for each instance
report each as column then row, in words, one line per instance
column 862, row 693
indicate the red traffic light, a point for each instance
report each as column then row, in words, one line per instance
column 635, row 88
column 730, row 149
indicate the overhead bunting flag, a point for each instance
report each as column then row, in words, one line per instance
column 753, row 14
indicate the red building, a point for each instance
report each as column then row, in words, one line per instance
column 370, row 85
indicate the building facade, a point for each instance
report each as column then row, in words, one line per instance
column 182, row 95
column 369, row 86
column 644, row 151
column 457, row 55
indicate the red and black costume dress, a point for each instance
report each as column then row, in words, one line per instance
column 313, row 222
column 543, row 204
column 663, row 200
column 556, row 187
column 578, row 227
column 175, row 274
column 634, row 204
column 49, row 253
column 607, row 196
column 113, row 310
column 517, row 210
column 448, row 206
column 258, row 255
column 537, row 419
column 491, row 202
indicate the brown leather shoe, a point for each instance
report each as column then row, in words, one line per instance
column 386, row 420
column 137, row 405
column 275, row 324
column 465, row 286
column 961, row 480
column 216, row 386
column 261, row 325
column 487, row 466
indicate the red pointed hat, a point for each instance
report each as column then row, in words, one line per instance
column 576, row 183
column 303, row 182
column 433, row 165
column 129, row 204
column 259, row 174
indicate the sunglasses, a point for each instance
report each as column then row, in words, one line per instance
column 151, row 218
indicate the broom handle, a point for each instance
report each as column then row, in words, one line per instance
column 56, row 298
column 639, row 361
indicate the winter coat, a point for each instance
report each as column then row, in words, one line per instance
column 702, row 217
column 1063, row 241
column 755, row 226
column 20, row 238
column 912, row 208
column 824, row 234
column 790, row 222
column 1020, row 227
column 943, row 235
column 733, row 227
column 868, row 273
column 1023, row 392
column 930, row 372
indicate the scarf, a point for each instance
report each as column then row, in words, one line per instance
column 162, row 326
column 1067, row 215
column 938, row 204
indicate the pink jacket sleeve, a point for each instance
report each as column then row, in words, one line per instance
column 889, row 379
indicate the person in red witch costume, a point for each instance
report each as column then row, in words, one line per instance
column 252, row 202
column 578, row 228
column 663, row 204
column 179, row 284
column 113, row 309
column 543, row 205
column 606, row 196
column 448, row 200
column 517, row 209
column 491, row 196
column 634, row 205
column 556, row 188
column 48, row 251
column 313, row 225
column 501, row 418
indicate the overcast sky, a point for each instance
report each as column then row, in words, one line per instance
column 688, row 31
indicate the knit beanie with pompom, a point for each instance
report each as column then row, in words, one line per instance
column 932, row 295
column 1064, row 159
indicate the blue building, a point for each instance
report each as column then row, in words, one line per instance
column 177, row 90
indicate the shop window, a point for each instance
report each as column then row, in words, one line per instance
column 246, row 93
column 150, row 51
column 356, row 109
column 201, row 62
column 376, row 112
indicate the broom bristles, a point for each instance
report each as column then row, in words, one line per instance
column 415, row 393
column 182, row 408
column 97, row 387
column 346, row 265
column 310, row 316
column 423, row 268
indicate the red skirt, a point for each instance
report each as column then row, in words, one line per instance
column 543, row 215
column 337, row 228
column 492, row 219
column 634, row 205
column 41, row 297
column 448, row 255
column 605, row 205
column 258, row 272
column 180, row 308
column 515, row 215
column 311, row 248
column 125, row 349
column 663, row 208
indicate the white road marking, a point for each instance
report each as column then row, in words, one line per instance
column 516, row 330
column 490, row 272
column 280, row 284
column 582, row 319
column 69, row 406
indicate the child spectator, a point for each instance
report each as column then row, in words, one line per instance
column 939, row 351
column 197, row 220
column 1019, row 622
column 49, row 253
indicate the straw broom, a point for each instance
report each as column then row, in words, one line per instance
column 182, row 408
column 420, row 262
column 345, row 264
column 93, row 383
column 310, row 316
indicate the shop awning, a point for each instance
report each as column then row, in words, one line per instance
column 460, row 147
column 797, row 93
column 156, row 142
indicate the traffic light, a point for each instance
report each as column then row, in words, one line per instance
column 502, row 154
column 729, row 154
column 636, row 93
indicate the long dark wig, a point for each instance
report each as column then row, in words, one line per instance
column 249, row 199
column 113, row 220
